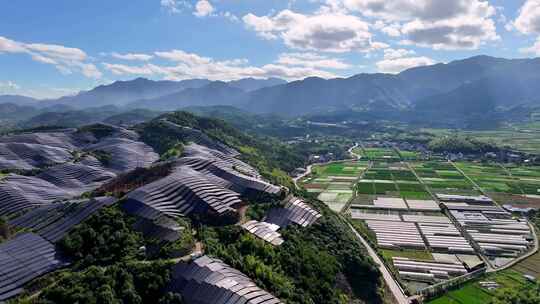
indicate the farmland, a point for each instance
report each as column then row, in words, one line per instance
column 334, row 182
column 443, row 177
column 508, row 183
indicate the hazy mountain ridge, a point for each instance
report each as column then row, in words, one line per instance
column 452, row 92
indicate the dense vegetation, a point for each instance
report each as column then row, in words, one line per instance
column 105, row 238
column 122, row 283
column 320, row 264
column 457, row 144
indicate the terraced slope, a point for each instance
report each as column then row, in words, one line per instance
column 210, row 281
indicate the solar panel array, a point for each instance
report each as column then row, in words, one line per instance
column 76, row 176
column 184, row 192
column 53, row 222
column 210, row 281
column 18, row 193
column 25, row 156
column 126, row 154
column 228, row 172
column 265, row 231
column 198, row 137
column 62, row 176
column 23, row 259
column 295, row 211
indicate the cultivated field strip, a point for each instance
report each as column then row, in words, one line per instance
column 53, row 222
column 210, row 281
column 24, row 258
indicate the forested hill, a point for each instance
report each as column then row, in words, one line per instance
column 272, row 158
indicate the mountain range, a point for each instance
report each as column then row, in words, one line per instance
column 454, row 92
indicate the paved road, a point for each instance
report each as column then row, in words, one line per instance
column 394, row 287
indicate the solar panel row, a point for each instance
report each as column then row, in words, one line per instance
column 23, row 259
column 210, row 281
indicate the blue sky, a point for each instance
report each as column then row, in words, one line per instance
column 53, row 48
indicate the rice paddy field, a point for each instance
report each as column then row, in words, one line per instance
column 334, row 182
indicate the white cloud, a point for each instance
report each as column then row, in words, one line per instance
column 290, row 66
column 528, row 21
column 451, row 24
column 66, row 59
column 132, row 56
column 203, row 8
column 311, row 60
column 8, row 86
column 181, row 56
column 323, row 31
column 534, row 49
column 397, row 53
column 397, row 65
column 175, row 6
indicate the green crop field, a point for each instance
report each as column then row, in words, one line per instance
column 493, row 177
column 473, row 293
column 384, row 154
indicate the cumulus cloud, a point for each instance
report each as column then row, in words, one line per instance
column 324, row 31
column 66, row 59
column 397, row 60
column 186, row 65
column 456, row 24
column 311, row 60
column 132, row 56
column 203, row 8
column 528, row 20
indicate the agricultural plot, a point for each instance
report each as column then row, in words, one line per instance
column 334, row 182
column 389, row 180
column 477, row 292
column 379, row 154
column 443, row 177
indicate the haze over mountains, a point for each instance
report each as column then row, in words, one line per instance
column 459, row 90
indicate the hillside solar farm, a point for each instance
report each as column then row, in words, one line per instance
column 439, row 224
column 48, row 192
